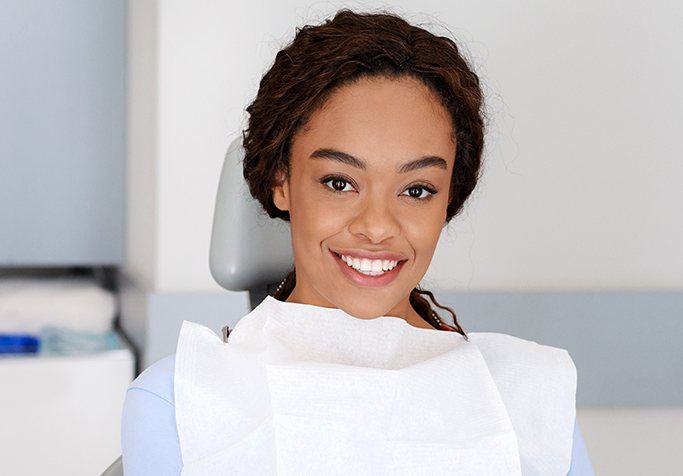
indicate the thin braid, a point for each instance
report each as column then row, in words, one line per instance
column 286, row 286
column 419, row 303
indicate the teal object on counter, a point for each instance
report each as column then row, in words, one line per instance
column 64, row 341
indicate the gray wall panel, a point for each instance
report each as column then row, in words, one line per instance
column 626, row 346
column 62, row 144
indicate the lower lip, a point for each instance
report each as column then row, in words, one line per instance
column 363, row 279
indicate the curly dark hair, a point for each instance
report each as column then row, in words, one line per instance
column 345, row 49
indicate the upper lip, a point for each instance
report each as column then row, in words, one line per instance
column 383, row 255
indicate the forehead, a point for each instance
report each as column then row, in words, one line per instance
column 382, row 119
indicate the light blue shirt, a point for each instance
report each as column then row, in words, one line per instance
column 149, row 437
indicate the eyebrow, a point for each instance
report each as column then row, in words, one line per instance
column 348, row 159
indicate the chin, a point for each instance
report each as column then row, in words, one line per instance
column 365, row 309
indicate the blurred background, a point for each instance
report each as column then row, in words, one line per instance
column 114, row 120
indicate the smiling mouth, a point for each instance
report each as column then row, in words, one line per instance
column 369, row 277
column 388, row 265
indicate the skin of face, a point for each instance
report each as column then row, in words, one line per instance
column 384, row 122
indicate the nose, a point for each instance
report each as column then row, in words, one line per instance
column 375, row 220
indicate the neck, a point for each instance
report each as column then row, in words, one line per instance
column 403, row 310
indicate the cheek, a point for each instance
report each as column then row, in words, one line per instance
column 423, row 234
column 314, row 220
column 422, row 228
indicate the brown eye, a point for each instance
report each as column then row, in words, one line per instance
column 415, row 192
column 337, row 184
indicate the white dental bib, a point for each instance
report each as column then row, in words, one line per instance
column 305, row 390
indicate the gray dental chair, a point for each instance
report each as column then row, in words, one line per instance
column 249, row 250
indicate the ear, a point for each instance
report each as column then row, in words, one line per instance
column 281, row 195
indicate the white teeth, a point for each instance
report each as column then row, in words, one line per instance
column 370, row 267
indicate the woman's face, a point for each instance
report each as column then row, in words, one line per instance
column 369, row 177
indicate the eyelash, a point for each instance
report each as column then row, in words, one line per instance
column 423, row 186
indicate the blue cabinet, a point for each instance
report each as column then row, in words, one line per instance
column 62, row 132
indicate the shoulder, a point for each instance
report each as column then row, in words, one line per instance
column 157, row 379
column 149, row 436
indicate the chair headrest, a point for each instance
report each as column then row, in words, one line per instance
column 248, row 248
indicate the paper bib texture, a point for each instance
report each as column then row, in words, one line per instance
column 306, row 390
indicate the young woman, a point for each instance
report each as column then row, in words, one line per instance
column 366, row 135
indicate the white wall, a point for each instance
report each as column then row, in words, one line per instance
column 633, row 441
column 582, row 184
column 142, row 118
